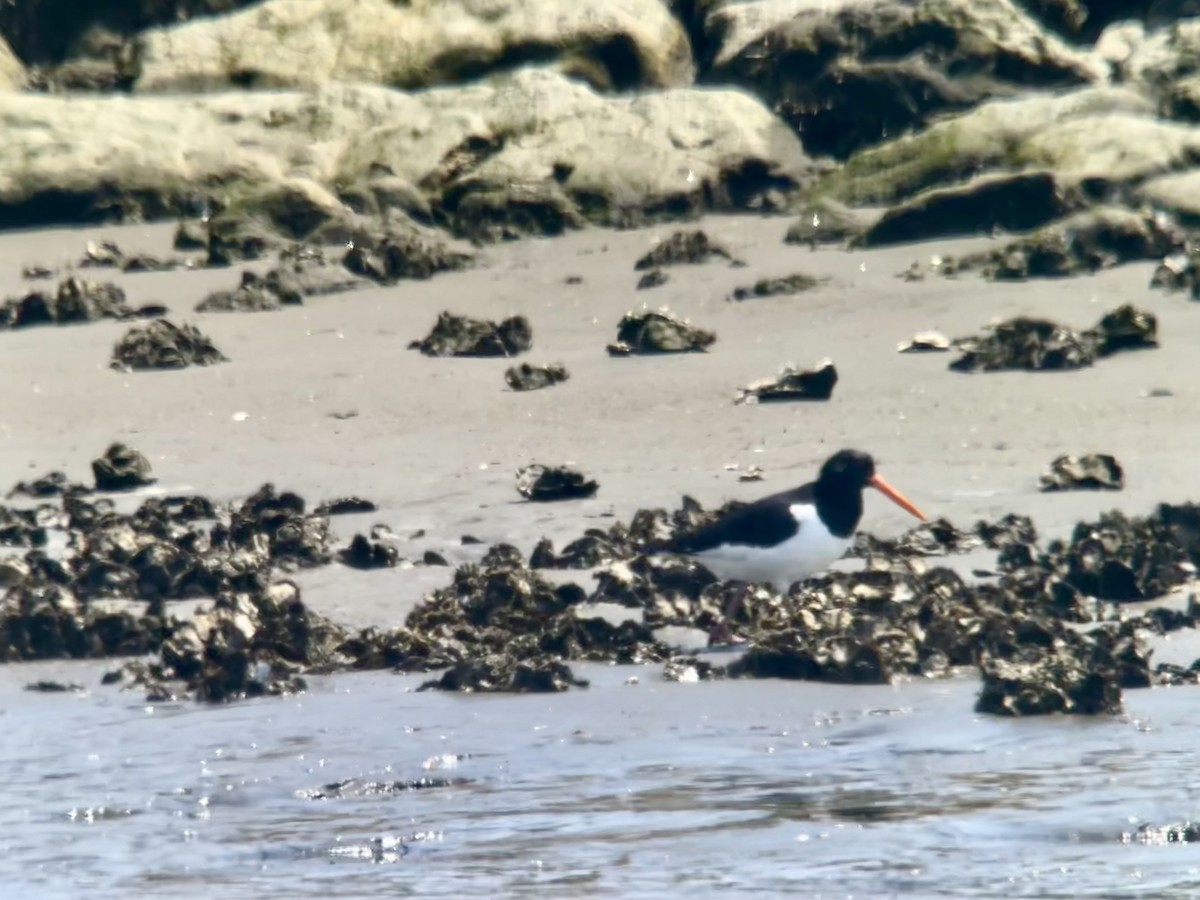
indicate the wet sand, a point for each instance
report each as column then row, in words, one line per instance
column 435, row 442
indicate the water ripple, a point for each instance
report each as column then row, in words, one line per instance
column 646, row 791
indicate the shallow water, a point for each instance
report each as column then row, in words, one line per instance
column 643, row 790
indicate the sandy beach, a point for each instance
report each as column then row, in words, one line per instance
column 234, row 694
column 435, row 442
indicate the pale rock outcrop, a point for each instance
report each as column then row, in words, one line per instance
column 421, row 43
column 534, row 137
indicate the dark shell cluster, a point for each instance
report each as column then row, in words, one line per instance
column 685, row 247
column 1033, row 344
column 1034, row 627
column 162, row 344
column 74, row 300
column 454, row 335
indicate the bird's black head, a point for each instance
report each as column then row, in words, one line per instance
column 848, row 469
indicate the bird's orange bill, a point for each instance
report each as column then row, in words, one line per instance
column 877, row 482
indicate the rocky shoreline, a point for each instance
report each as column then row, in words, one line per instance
column 938, row 118
column 304, row 150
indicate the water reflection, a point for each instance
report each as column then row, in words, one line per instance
column 362, row 787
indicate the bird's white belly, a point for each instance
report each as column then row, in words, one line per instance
column 806, row 553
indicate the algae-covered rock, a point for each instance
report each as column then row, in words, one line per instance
column 526, row 377
column 1125, row 328
column 1028, row 343
column 500, row 674
column 689, row 670
column 297, row 207
column 1092, row 471
column 683, row 247
column 392, row 255
column 825, row 221
column 109, row 255
column 233, row 237
column 652, row 279
column 367, row 554
column 1080, row 677
column 256, row 293
column 785, row 285
column 52, row 484
column 850, row 74
column 658, row 332
column 1099, row 136
column 345, row 506
column 1086, row 242
column 164, row 345
column 121, row 468
column 1176, row 193
column 507, row 609
column 1015, row 202
column 488, row 211
column 454, row 335
column 75, row 300
column 190, row 235
column 1179, row 272
column 250, row 644
column 543, row 483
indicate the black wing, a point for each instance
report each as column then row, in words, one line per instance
column 763, row 523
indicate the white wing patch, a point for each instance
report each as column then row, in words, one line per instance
column 806, row 553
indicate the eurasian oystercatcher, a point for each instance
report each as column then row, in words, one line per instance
column 790, row 535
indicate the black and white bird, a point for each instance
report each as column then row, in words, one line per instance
column 790, row 535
